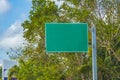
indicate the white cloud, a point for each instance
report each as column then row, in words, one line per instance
column 13, row 37
column 4, row 6
column 0, row 65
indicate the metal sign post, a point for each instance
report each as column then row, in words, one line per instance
column 94, row 56
column 69, row 37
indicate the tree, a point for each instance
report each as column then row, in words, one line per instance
column 35, row 64
column 13, row 72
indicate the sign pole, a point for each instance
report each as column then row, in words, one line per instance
column 94, row 55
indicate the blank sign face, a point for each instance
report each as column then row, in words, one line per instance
column 66, row 37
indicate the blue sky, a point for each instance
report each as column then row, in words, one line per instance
column 12, row 14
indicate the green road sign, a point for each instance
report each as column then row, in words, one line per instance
column 66, row 37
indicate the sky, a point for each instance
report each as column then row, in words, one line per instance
column 12, row 14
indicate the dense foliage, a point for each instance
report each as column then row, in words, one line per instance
column 35, row 64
